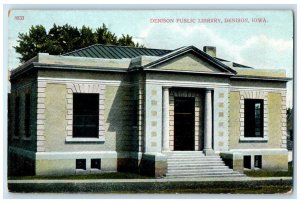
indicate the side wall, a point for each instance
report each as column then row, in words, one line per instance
column 21, row 149
column 57, row 148
column 272, row 148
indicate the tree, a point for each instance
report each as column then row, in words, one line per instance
column 63, row 39
column 87, row 37
column 66, row 38
column 104, row 36
column 126, row 40
column 32, row 43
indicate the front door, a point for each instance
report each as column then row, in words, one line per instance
column 184, row 123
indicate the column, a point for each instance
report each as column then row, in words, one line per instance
column 165, row 119
column 208, row 123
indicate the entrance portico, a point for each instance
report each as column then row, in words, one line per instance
column 187, row 119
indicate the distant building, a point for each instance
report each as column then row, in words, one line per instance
column 174, row 113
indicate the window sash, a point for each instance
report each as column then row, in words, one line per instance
column 96, row 164
column 253, row 118
column 85, row 115
column 258, row 161
column 81, row 164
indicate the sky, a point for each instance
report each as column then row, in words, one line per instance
column 264, row 45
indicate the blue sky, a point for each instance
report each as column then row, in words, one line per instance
column 261, row 45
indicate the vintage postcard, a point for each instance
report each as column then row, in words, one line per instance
column 150, row 101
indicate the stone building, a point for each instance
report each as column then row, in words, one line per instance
column 174, row 113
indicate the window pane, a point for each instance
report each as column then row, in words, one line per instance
column 96, row 163
column 247, row 162
column 85, row 115
column 258, row 161
column 253, row 118
column 81, row 164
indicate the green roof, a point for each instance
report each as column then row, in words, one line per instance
column 115, row 52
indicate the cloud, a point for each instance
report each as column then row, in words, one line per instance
column 266, row 52
column 259, row 51
column 280, row 45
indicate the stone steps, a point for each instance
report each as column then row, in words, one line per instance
column 202, row 171
column 205, row 175
column 198, row 160
column 184, row 153
column 182, row 165
column 196, row 164
column 214, row 172
column 193, row 156
column 198, row 168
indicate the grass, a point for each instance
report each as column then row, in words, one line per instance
column 122, row 175
column 225, row 190
column 118, row 175
column 262, row 173
column 182, row 187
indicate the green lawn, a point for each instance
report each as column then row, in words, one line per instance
column 118, row 175
column 122, row 175
column 181, row 187
column 225, row 190
column 262, row 173
column 206, row 187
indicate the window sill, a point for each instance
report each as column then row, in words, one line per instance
column 80, row 171
column 100, row 139
column 95, row 170
column 254, row 139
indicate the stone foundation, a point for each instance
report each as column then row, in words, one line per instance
column 233, row 161
column 154, row 165
column 128, row 165
column 271, row 160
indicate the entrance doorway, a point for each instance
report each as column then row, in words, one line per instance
column 184, row 124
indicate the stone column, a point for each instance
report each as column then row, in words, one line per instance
column 208, row 123
column 165, row 119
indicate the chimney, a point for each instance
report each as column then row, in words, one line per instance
column 212, row 51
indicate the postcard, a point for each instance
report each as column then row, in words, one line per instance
column 150, row 101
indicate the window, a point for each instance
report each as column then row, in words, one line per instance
column 27, row 115
column 257, row 161
column 85, row 115
column 247, row 162
column 96, row 164
column 17, row 117
column 254, row 117
column 81, row 164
